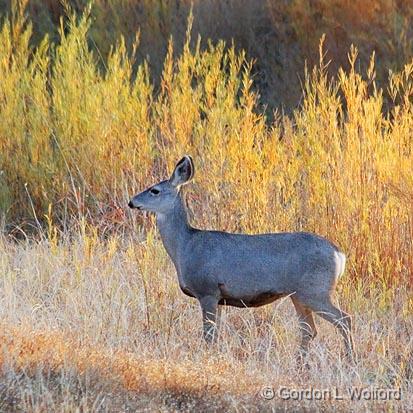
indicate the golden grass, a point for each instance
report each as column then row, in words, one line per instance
column 93, row 296
column 28, row 349
column 280, row 35
column 110, row 313
column 78, row 142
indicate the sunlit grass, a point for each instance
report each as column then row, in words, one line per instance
column 87, row 288
column 79, row 142
column 111, row 314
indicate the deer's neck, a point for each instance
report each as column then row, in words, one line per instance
column 175, row 230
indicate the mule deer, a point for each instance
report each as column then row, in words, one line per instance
column 220, row 268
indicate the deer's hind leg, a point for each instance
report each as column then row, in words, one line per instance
column 340, row 319
column 307, row 328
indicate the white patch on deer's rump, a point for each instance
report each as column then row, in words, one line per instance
column 340, row 260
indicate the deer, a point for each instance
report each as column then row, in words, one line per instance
column 231, row 269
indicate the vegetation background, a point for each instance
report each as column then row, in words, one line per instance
column 298, row 115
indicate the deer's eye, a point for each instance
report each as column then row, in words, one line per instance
column 154, row 191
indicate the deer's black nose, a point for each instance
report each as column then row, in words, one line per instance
column 130, row 205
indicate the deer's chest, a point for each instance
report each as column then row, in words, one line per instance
column 197, row 285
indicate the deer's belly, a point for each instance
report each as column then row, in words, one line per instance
column 253, row 300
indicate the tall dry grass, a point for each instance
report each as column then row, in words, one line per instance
column 103, row 326
column 76, row 141
column 279, row 35
column 91, row 296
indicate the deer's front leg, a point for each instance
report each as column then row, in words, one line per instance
column 209, row 306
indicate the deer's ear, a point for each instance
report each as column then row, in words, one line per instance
column 183, row 172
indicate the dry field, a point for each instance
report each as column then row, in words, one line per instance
column 92, row 318
column 102, row 326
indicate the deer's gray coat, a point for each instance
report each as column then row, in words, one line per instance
column 220, row 268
